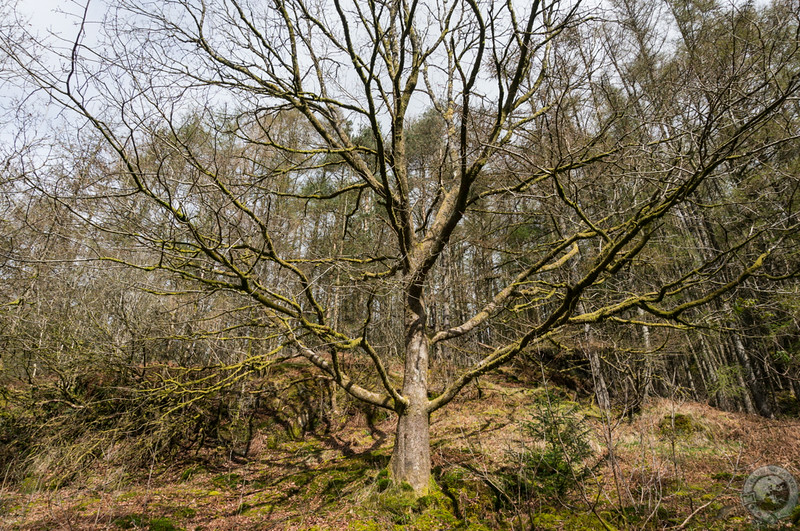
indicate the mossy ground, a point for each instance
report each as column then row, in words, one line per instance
column 672, row 465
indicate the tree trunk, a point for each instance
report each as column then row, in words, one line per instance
column 599, row 381
column 762, row 406
column 648, row 360
column 600, row 387
column 411, row 459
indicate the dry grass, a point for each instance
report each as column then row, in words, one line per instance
column 327, row 480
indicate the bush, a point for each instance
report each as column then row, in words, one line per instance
column 552, row 460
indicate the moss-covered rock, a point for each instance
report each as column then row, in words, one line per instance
column 679, row 425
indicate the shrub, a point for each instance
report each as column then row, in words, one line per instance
column 552, row 460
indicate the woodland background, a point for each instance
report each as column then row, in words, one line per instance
column 124, row 345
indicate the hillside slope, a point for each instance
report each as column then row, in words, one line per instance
column 505, row 456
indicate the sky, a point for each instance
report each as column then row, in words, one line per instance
column 54, row 23
column 59, row 16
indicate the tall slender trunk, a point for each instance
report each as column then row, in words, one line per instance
column 600, row 387
column 755, row 387
column 702, row 371
column 411, row 459
column 599, row 381
column 648, row 359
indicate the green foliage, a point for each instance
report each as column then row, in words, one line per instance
column 787, row 404
column 727, row 382
column 552, row 462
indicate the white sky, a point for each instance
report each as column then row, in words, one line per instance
column 26, row 119
column 59, row 16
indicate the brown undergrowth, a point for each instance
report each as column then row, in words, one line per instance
column 673, row 465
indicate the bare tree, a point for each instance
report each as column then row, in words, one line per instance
column 324, row 160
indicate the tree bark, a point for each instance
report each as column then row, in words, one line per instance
column 600, row 387
column 411, row 459
column 755, row 387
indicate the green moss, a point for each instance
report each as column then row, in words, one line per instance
column 546, row 521
column 163, row 524
column 247, row 509
column 243, row 508
column 304, row 478
column 84, row 504
column 678, row 425
column 192, row 471
column 400, row 505
column 383, row 483
column 364, row 525
column 728, row 476
column 795, row 516
column 435, row 518
column 475, row 500
column 228, row 481
column 138, row 521
column 274, row 441
column 377, row 458
column 625, row 516
column 130, row 521
column 433, row 511
column 572, row 521
column 397, row 502
column 185, row 512
column 29, row 485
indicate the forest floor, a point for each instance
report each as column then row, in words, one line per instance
column 673, row 465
